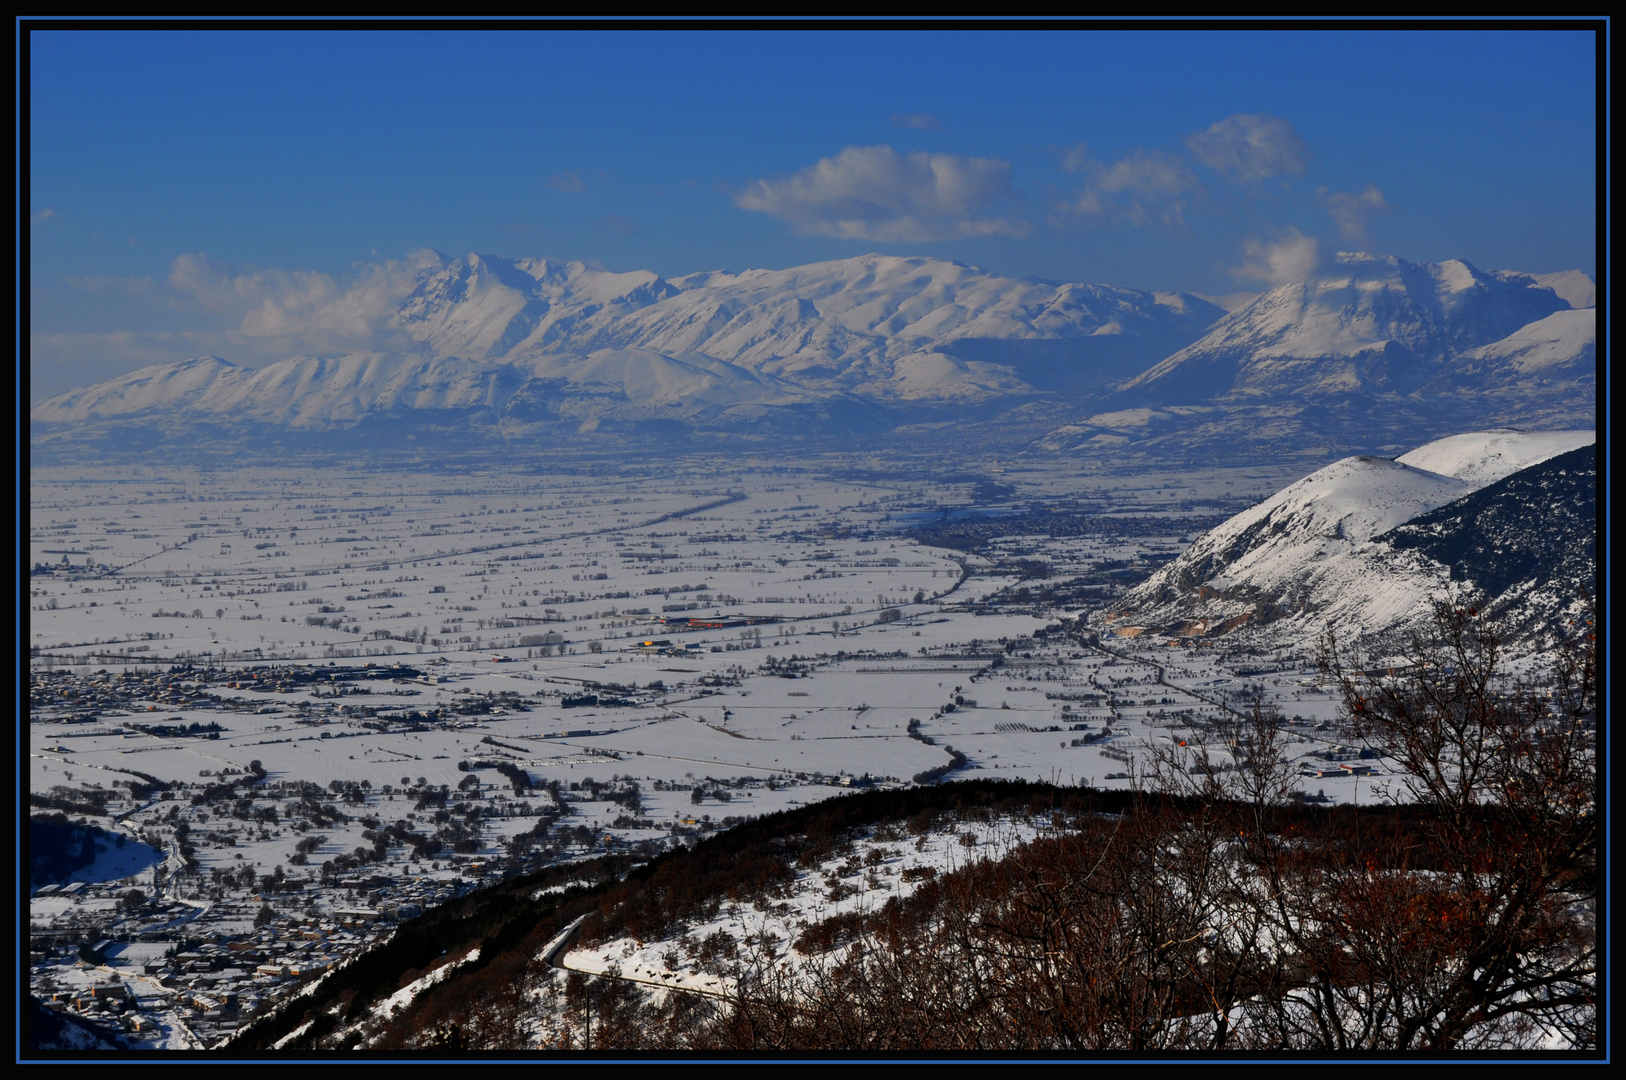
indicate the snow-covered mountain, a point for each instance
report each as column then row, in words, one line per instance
column 490, row 308
column 1575, row 287
column 880, row 327
column 535, row 341
column 1528, row 542
column 1481, row 458
column 1321, row 553
column 1368, row 355
column 300, row 392
column 1367, row 325
column 608, row 389
column 1558, row 354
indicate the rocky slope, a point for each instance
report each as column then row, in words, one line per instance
column 1528, row 542
column 1365, row 544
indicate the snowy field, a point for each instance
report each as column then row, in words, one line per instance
column 529, row 591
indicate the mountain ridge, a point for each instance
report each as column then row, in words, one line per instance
column 1368, row 324
column 560, row 351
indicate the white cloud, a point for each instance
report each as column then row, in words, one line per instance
column 249, row 317
column 1147, row 174
column 313, row 308
column 44, row 214
column 1076, row 158
column 117, row 351
column 1148, row 186
column 875, row 193
column 919, row 121
column 1250, row 147
column 1292, row 257
column 1352, row 212
column 107, row 283
column 570, row 181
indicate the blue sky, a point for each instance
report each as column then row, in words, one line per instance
column 176, row 179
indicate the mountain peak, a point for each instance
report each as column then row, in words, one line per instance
column 903, row 333
column 1367, row 325
column 1317, row 554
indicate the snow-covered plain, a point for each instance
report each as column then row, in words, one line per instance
column 535, row 589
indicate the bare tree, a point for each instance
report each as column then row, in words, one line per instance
column 1482, row 935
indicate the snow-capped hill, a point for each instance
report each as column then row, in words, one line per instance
column 1575, row 287
column 1366, row 325
column 1321, row 552
column 490, row 307
column 157, row 388
column 1558, row 353
column 846, row 325
column 301, row 392
column 1332, row 509
column 1527, row 544
column 1484, row 457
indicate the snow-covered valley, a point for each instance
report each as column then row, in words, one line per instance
column 295, row 707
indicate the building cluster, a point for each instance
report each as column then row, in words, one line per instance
column 201, row 969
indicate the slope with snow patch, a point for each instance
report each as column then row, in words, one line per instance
column 1484, row 457
column 1305, row 559
column 1555, row 354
